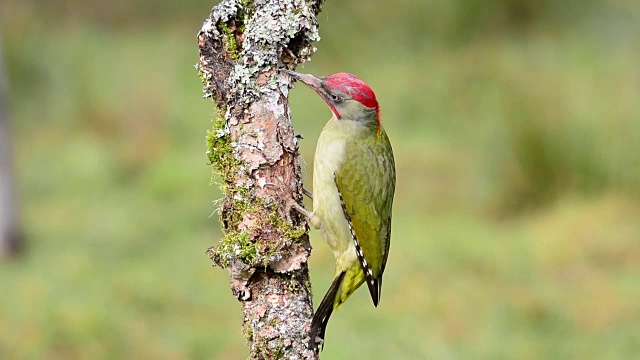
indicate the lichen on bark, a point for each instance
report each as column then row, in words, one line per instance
column 254, row 152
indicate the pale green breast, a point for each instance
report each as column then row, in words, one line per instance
column 329, row 156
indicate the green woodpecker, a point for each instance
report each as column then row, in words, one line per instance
column 354, row 179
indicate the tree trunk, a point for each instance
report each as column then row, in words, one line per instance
column 254, row 152
column 9, row 234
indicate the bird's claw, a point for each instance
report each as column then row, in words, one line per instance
column 292, row 204
column 307, row 193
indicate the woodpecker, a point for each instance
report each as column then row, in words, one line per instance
column 354, row 179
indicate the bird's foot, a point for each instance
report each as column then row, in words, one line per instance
column 311, row 218
column 307, row 193
column 291, row 203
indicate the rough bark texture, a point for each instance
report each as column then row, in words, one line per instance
column 9, row 234
column 254, row 152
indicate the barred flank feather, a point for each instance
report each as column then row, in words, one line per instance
column 372, row 283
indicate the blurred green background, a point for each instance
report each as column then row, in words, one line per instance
column 516, row 131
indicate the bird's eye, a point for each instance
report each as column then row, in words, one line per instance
column 335, row 98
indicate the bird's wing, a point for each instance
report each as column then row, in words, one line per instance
column 366, row 183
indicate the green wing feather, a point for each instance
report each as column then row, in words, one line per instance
column 366, row 183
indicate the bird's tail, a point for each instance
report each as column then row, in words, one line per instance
column 323, row 313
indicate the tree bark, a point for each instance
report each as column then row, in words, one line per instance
column 254, row 152
column 9, row 229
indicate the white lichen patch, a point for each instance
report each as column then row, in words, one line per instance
column 273, row 24
column 209, row 26
column 222, row 12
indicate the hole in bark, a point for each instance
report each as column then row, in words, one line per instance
column 297, row 43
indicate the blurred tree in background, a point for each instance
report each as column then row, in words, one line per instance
column 516, row 128
column 10, row 240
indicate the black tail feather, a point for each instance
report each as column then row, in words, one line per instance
column 323, row 313
column 374, row 289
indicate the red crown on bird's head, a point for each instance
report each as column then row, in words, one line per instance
column 357, row 89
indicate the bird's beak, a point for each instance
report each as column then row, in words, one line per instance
column 308, row 79
column 315, row 83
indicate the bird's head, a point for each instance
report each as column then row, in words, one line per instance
column 348, row 97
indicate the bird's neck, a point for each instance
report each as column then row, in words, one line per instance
column 356, row 123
